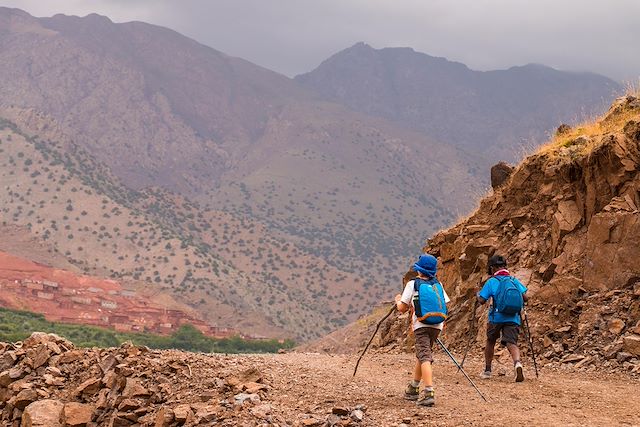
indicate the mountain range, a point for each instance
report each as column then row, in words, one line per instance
column 277, row 206
column 498, row 112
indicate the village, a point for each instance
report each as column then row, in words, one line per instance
column 62, row 296
column 119, row 309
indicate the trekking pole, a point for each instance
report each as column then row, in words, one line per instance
column 460, row 368
column 371, row 339
column 473, row 326
column 533, row 354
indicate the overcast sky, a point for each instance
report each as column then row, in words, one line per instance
column 294, row 36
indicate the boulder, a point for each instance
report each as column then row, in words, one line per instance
column 623, row 356
column 559, row 289
column 632, row 130
column 570, row 358
column 565, row 220
column 563, row 129
column 128, row 405
column 108, row 363
column 615, row 326
column 477, row 228
column 43, row 413
column 251, row 375
column 5, row 379
column 39, row 356
column 7, row 360
column 500, row 173
column 164, row 417
column 340, row 410
column 183, row 413
column 252, row 387
column 240, row 398
column 208, row 413
column 632, row 344
column 38, row 338
column 24, row 398
column 89, row 387
column 134, row 388
column 357, row 415
column 78, row 414
column 261, row 411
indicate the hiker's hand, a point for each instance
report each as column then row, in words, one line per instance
column 398, row 298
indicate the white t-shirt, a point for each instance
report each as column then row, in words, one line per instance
column 407, row 298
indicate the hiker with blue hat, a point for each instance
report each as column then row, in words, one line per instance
column 427, row 299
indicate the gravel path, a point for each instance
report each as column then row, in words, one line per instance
column 313, row 384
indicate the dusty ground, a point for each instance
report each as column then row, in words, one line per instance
column 314, row 384
column 134, row 386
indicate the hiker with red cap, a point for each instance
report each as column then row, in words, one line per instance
column 426, row 297
column 508, row 296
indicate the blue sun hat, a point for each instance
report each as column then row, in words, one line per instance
column 427, row 264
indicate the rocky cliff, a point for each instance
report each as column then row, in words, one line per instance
column 567, row 220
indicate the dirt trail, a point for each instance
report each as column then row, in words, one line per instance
column 128, row 386
column 314, row 384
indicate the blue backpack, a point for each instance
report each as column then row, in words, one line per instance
column 429, row 304
column 509, row 298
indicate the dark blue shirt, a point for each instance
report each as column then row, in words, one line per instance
column 490, row 290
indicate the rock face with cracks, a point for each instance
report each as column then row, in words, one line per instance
column 567, row 221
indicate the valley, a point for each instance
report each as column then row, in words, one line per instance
column 266, row 204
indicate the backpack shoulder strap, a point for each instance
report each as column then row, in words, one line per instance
column 418, row 281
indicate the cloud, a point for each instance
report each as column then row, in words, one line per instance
column 293, row 36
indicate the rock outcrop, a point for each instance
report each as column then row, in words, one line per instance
column 500, row 173
column 567, row 220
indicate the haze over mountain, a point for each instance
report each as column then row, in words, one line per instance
column 233, row 188
column 492, row 112
column 271, row 190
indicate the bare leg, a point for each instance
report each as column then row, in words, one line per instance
column 514, row 351
column 488, row 354
column 417, row 372
column 427, row 374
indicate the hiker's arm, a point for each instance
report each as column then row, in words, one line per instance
column 485, row 293
column 401, row 306
column 523, row 290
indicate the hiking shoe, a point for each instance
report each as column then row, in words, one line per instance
column 411, row 393
column 485, row 375
column 427, row 398
column 519, row 372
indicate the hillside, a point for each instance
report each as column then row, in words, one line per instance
column 567, row 221
column 504, row 112
column 80, row 218
column 270, row 191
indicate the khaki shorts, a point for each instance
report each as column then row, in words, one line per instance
column 425, row 338
column 507, row 332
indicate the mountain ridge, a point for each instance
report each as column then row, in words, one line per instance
column 448, row 100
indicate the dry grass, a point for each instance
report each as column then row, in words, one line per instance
column 582, row 138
